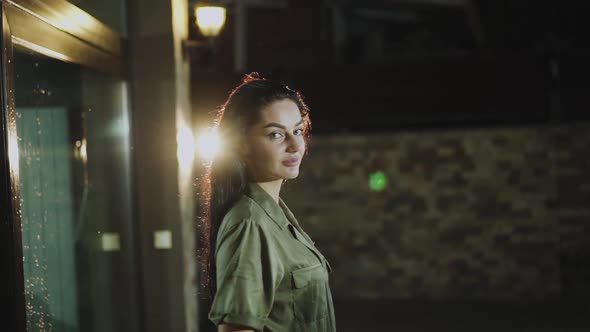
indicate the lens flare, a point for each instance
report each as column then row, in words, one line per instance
column 208, row 145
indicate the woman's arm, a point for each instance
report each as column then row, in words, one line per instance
column 245, row 287
column 233, row 328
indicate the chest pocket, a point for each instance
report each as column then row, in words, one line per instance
column 309, row 293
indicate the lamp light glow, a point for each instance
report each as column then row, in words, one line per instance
column 186, row 148
column 208, row 145
column 210, row 19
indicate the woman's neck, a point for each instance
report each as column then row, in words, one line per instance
column 273, row 188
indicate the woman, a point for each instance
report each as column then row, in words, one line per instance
column 265, row 272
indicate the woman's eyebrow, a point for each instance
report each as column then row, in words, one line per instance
column 274, row 124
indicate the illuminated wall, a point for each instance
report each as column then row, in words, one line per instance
column 466, row 213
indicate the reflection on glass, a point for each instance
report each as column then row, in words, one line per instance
column 73, row 151
column 47, row 218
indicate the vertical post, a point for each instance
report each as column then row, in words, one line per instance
column 160, row 98
column 240, row 35
column 186, row 199
column 338, row 32
column 12, row 292
column 472, row 11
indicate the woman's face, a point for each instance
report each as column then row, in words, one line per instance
column 273, row 148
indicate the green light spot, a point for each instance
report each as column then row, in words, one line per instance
column 377, row 181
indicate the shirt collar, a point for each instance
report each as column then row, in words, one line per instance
column 275, row 211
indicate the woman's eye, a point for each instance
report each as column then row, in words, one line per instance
column 298, row 132
column 275, row 135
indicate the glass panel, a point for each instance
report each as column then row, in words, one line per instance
column 74, row 163
column 109, row 12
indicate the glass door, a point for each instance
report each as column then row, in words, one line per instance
column 73, row 142
column 67, row 135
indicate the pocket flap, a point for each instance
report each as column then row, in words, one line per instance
column 304, row 276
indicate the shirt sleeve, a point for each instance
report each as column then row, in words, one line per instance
column 246, row 276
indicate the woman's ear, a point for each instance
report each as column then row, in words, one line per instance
column 243, row 150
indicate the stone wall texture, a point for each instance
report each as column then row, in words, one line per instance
column 466, row 213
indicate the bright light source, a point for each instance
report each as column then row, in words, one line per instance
column 186, row 148
column 208, row 145
column 377, row 181
column 210, row 20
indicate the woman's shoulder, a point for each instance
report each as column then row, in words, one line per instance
column 245, row 210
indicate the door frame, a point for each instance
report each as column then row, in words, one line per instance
column 55, row 29
column 60, row 30
column 10, row 223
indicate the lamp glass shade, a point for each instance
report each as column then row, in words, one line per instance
column 210, row 19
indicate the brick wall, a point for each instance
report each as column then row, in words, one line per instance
column 466, row 213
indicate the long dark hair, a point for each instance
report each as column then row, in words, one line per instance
column 225, row 177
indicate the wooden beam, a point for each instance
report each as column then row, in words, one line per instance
column 474, row 20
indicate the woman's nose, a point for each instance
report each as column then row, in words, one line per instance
column 295, row 143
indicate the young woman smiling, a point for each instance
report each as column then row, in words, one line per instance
column 265, row 274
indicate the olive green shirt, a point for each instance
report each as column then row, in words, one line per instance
column 270, row 276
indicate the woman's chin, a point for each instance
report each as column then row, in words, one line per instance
column 291, row 175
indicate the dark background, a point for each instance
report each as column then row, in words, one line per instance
column 430, row 67
column 374, row 66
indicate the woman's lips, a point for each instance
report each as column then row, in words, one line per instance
column 291, row 162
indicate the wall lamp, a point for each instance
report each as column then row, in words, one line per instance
column 210, row 19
